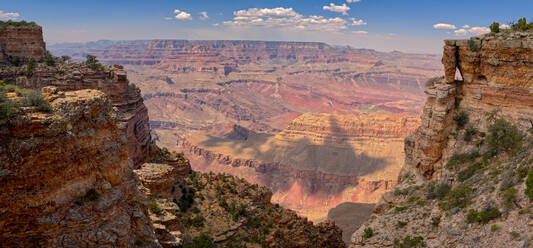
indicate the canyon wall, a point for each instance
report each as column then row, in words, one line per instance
column 462, row 184
column 21, row 42
column 319, row 161
column 66, row 178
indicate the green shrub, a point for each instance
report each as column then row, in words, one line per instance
column 196, row 221
column 459, row 197
column 469, row 133
column 409, row 242
column 482, row 217
column 509, row 196
column 495, row 27
column 93, row 63
column 462, row 158
column 368, row 232
column 469, row 172
column 503, row 136
column 202, row 241
column 461, row 120
column 36, row 99
column 529, row 185
column 90, row 195
column 154, row 207
column 494, row 228
column 8, row 108
column 49, row 59
column 473, row 46
column 437, row 191
column 522, row 25
column 65, row 58
column 30, row 66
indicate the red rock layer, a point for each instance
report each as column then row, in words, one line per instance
column 21, row 42
column 51, row 162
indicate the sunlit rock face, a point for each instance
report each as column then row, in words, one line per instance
column 66, row 178
column 496, row 87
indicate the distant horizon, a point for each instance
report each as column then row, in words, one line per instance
column 282, row 41
column 416, row 26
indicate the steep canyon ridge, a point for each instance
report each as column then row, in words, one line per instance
column 317, row 124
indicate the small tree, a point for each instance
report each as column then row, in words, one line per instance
column 92, row 62
column 29, row 68
column 65, row 58
column 49, row 59
column 495, row 27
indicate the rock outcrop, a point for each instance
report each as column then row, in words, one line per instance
column 226, row 211
column 66, row 178
column 21, row 42
column 133, row 114
column 462, row 184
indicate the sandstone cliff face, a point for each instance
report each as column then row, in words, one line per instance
column 456, row 189
column 497, row 76
column 66, row 179
column 133, row 114
column 23, row 42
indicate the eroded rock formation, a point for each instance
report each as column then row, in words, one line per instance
column 21, row 43
column 133, row 114
column 319, row 161
column 462, row 185
column 66, row 178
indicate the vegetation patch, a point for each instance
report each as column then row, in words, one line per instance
column 90, row 195
column 461, row 119
column 459, row 197
column 469, row 171
column 154, row 207
column 484, row 216
column 503, row 136
column 462, row 158
column 409, row 242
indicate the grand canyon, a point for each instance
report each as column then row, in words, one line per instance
column 263, row 143
column 317, row 124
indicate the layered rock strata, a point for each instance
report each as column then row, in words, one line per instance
column 66, row 178
column 461, row 184
column 319, row 161
column 21, row 43
column 133, row 114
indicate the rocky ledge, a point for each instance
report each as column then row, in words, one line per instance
column 66, row 178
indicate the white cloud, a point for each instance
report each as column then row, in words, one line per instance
column 285, row 18
column 337, row 8
column 353, row 1
column 360, row 32
column 203, row 15
column 461, row 32
column 168, row 18
column 182, row 15
column 5, row 16
column 479, row 30
column 444, row 26
column 356, row 22
column 505, row 26
column 466, row 26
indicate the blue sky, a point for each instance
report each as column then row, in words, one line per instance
column 405, row 25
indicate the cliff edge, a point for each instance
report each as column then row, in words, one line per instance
column 465, row 181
